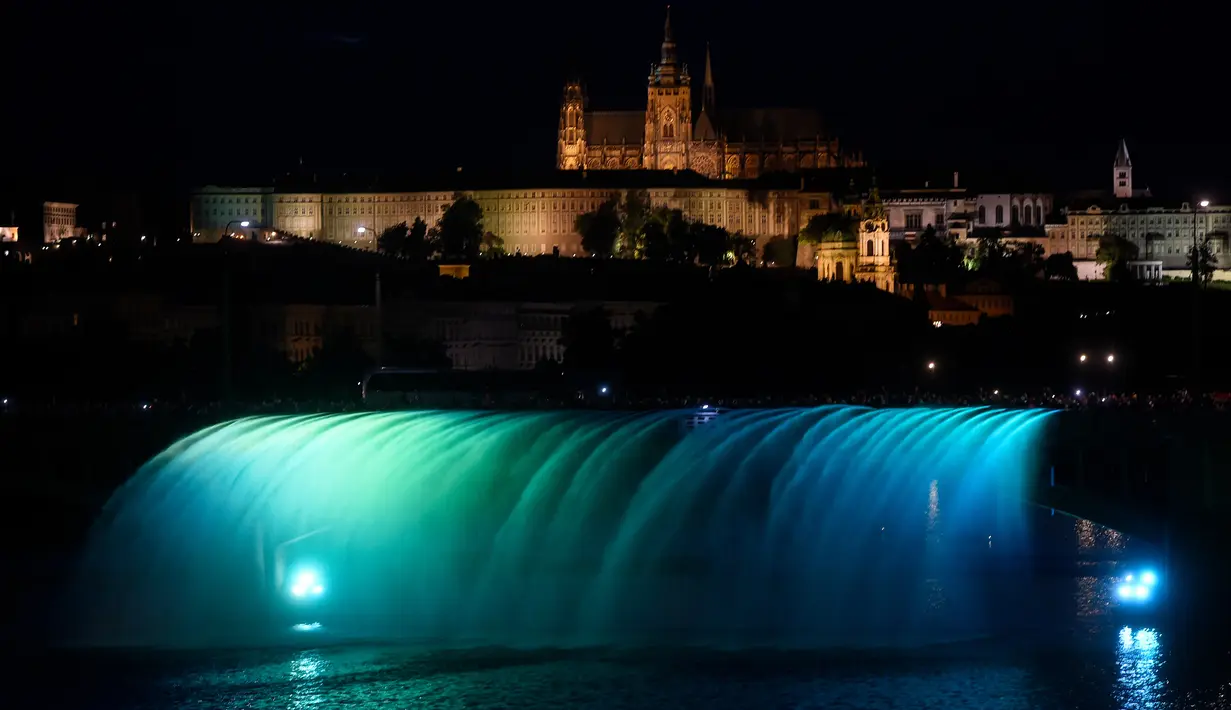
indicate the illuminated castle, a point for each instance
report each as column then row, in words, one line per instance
column 667, row 135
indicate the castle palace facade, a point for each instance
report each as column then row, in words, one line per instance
column 721, row 144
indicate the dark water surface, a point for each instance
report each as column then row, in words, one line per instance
column 1098, row 666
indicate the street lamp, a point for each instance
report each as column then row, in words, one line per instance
column 226, row 231
column 1196, row 252
column 364, row 230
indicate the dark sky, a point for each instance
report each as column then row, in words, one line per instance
column 1028, row 95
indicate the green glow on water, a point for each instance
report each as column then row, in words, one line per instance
column 534, row 527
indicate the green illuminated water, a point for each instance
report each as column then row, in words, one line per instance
column 801, row 526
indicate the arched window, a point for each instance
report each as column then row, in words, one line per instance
column 1038, row 215
column 999, row 214
column 870, row 248
column 1013, row 214
column 982, row 214
column 668, row 124
column 838, row 271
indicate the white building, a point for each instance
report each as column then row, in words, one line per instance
column 1162, row 231
column 957, row 210
column 1012, row 210
column 59, row 221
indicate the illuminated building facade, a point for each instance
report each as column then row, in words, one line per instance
column 1161, row 230
column 59, row 221
column 530, row 221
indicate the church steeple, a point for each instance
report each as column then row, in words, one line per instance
column 706, row 128
column 1123, row 171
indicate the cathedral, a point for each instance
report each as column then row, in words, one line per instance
column 718, row 143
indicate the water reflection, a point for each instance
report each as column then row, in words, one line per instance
column 1092, row 536
column 1138, row 659
column 1091, row 596
column 933, row 507
column 937, row 598
column 308, row 670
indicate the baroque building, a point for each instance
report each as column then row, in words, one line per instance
column 1162, row 231
column 669, row 135
column 867, row 256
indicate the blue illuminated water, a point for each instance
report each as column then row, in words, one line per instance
column 836, row 526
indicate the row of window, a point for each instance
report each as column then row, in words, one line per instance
column 1029, row 215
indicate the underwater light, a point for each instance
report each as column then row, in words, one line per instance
column 307, row 583
column 1137, row 587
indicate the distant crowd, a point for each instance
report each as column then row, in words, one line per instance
column 1046, row 399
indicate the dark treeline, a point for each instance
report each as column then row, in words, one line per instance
column 738, row 330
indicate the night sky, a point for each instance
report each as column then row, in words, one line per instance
column 1020, row 96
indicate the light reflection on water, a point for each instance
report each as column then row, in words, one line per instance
column 308, row 669
column 1139, row 657
column 1092, row 596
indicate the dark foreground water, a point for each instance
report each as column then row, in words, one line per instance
column 1071, row 648
column 1100, row 666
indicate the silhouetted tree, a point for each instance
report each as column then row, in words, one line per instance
column 680, row 245
column 493, row 246
column 711, row 243
column 1114, row 253
column 834, row 226
column 654, row 244
column 1207, row 261
column 459, row 231
column 392, row 240
column 418, row 245
column 743, row 249
column 780, row 251
column 634, row 212
column 600, row 228
column 934, row 259
column 1061, row 267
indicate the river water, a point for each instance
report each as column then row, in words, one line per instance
column 1063, row 643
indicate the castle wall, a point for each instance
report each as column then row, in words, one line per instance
column 530, row 221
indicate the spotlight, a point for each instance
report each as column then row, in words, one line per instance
column 1082, row 358
column 307, row 584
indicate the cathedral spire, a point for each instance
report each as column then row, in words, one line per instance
column 707, row 92
column 667, row 71
column 668, row 64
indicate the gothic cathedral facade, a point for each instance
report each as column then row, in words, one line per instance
column 725, row 144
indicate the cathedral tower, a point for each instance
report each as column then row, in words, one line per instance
column 668, row 110
column 1123, row 171
column 571, row 148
